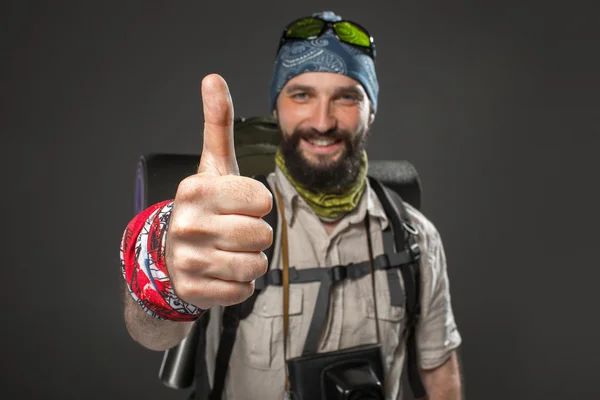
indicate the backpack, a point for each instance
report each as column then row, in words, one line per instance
column 256, row 140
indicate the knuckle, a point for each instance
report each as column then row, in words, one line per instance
column 194, row 187
column 173, row 259
column 177, row 227
column 189, row 261
column 186, row 188
column 229, row 295
column 240, row 293
column 264, row 200
column 261, row 197
column 186, row 225
column 233, row 293
column 183, row 289
column 265, row 235
column 254, row 268
column 263, row 264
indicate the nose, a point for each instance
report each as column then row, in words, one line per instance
column 322, row 119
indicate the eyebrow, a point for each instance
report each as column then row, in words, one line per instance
column 298, row 88
column 305, row 88
column 349, row 90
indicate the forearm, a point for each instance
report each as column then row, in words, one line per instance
column 151, row 332
column 443, row 382
column 141, row 247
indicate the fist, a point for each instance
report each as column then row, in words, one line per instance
column 216, row 236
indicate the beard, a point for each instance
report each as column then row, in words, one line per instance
column 324, row 175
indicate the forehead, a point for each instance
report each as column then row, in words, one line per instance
column 324, row 81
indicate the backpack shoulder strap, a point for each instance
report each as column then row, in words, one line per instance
column 404, row 237
column 233, row 314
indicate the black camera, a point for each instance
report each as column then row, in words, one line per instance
column 350, row 374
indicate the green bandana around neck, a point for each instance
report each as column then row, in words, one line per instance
column 329, row 206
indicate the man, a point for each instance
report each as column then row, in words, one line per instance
column 204, row 249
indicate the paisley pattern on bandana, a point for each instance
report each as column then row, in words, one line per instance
column 323, row 54
column 313, row 56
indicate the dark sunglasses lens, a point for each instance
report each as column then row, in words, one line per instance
column 304, row 28
column 350, row 33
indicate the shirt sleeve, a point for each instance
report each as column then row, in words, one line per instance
column 437, row 332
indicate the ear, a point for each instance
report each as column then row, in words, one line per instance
column 371, row 114
column 275, row 112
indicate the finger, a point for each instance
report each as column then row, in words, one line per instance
column 242, row 233
column 228, row 293
column 236, row 266
column 242, row 196
column 231, row 194
column 209, row 292
column 218, row 151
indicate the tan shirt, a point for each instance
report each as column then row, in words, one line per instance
column 256, row 369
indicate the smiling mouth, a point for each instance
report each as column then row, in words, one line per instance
column 328, row 147
column 322, row 142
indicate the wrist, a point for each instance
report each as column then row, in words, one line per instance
column 144, row 267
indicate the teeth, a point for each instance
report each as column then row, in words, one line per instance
column 321, row 142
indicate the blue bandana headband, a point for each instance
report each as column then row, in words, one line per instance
column 323, row 54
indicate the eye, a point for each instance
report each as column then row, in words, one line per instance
column 350, row 98
column 300, row 96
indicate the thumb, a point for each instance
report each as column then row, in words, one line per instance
column 218, row 151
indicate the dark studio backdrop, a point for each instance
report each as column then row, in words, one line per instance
column 495, row 103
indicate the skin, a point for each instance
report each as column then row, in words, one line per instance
column 443, row 382
column 216, row 235
column 322, row 101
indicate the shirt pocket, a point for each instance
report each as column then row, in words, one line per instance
column 391, row 319
column 262, row 330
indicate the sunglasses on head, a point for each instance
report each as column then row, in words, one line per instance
column 346, row 31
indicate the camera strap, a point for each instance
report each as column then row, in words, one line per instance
column 372, row 268
column 327, row 279
column 286, row 286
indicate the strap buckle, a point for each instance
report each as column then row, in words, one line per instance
column 409, row 228
column 275, row 277
column 415, row 251
column 338, row 273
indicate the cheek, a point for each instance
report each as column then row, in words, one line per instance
column 290, row 116
column 355, row 120
column 286, row 126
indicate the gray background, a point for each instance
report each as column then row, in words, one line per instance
column 495, row 103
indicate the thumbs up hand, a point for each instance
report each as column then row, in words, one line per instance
column 216, row 233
